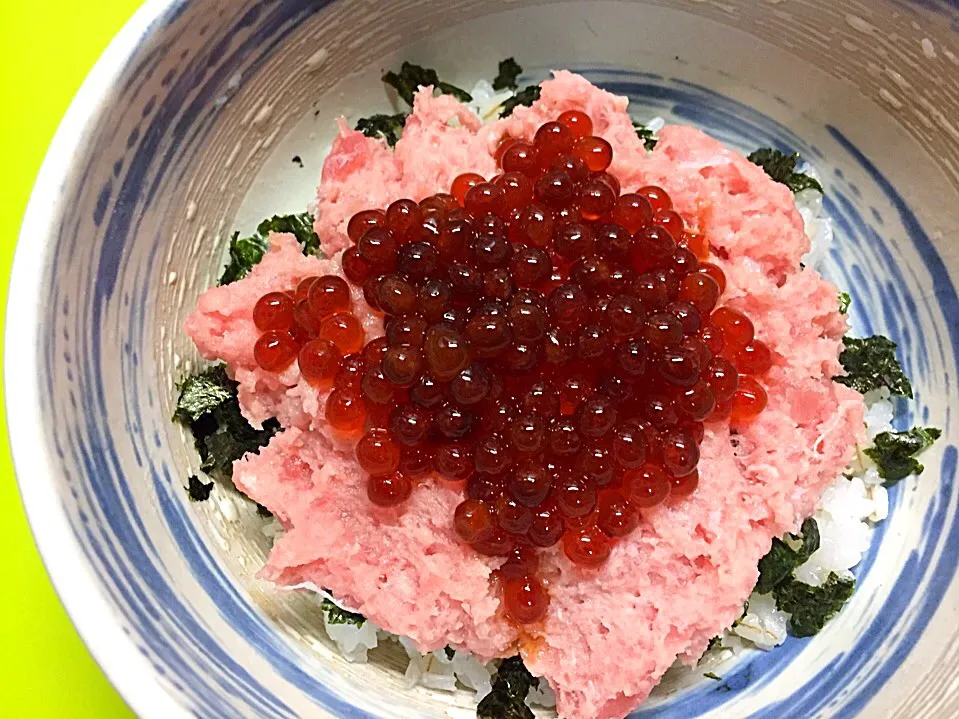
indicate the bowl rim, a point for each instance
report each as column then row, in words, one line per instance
column 113, row 649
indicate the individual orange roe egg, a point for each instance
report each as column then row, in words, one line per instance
column 647, row 486
column 659, row 201
column 377, row 453
column 526, row 600
column 588, row 547
column 755, row 358
column 737, row 328
column 273, row 311
column 749, row 400
column 363, row 221
column 345, row 410
column 327, row 295
column 319, row 361
column 462, row 184
column 577, row 121
column 344, row 331
column 274, row 351
column 388, row 490
column 717, row 274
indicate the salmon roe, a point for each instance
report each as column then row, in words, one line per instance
column 553, row 347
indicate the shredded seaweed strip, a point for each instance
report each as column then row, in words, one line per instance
column 209, row 407
column 871, row 363
column 645, row 134
column 782, row 168
column 781, row 560
column 509, row 71
column 511, row 686
column 811, row 607
column 525, row 97
column 246, row 252
column 387, row 127
column 337, row 615
column 410, row 77
column 895, row 452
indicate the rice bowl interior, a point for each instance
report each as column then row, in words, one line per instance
column 687, row 575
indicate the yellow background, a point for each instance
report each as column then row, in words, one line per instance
column 46, row 49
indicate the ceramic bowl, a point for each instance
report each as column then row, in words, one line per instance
column 185, row 131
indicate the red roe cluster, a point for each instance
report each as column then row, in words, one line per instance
column 553, row 347
column 312, row 325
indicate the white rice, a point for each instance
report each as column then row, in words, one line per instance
column 817, row 224
column 434, row 670
column 486, row 100
column 352, row 641
column 846, row 516
column 656, row 124
column 272, row 528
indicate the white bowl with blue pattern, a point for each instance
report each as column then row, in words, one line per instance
column 186, row 129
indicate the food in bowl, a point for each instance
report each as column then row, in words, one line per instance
column 553, row 387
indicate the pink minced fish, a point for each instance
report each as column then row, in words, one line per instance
column 683, row 575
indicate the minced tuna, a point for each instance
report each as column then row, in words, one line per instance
column 672, row 584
